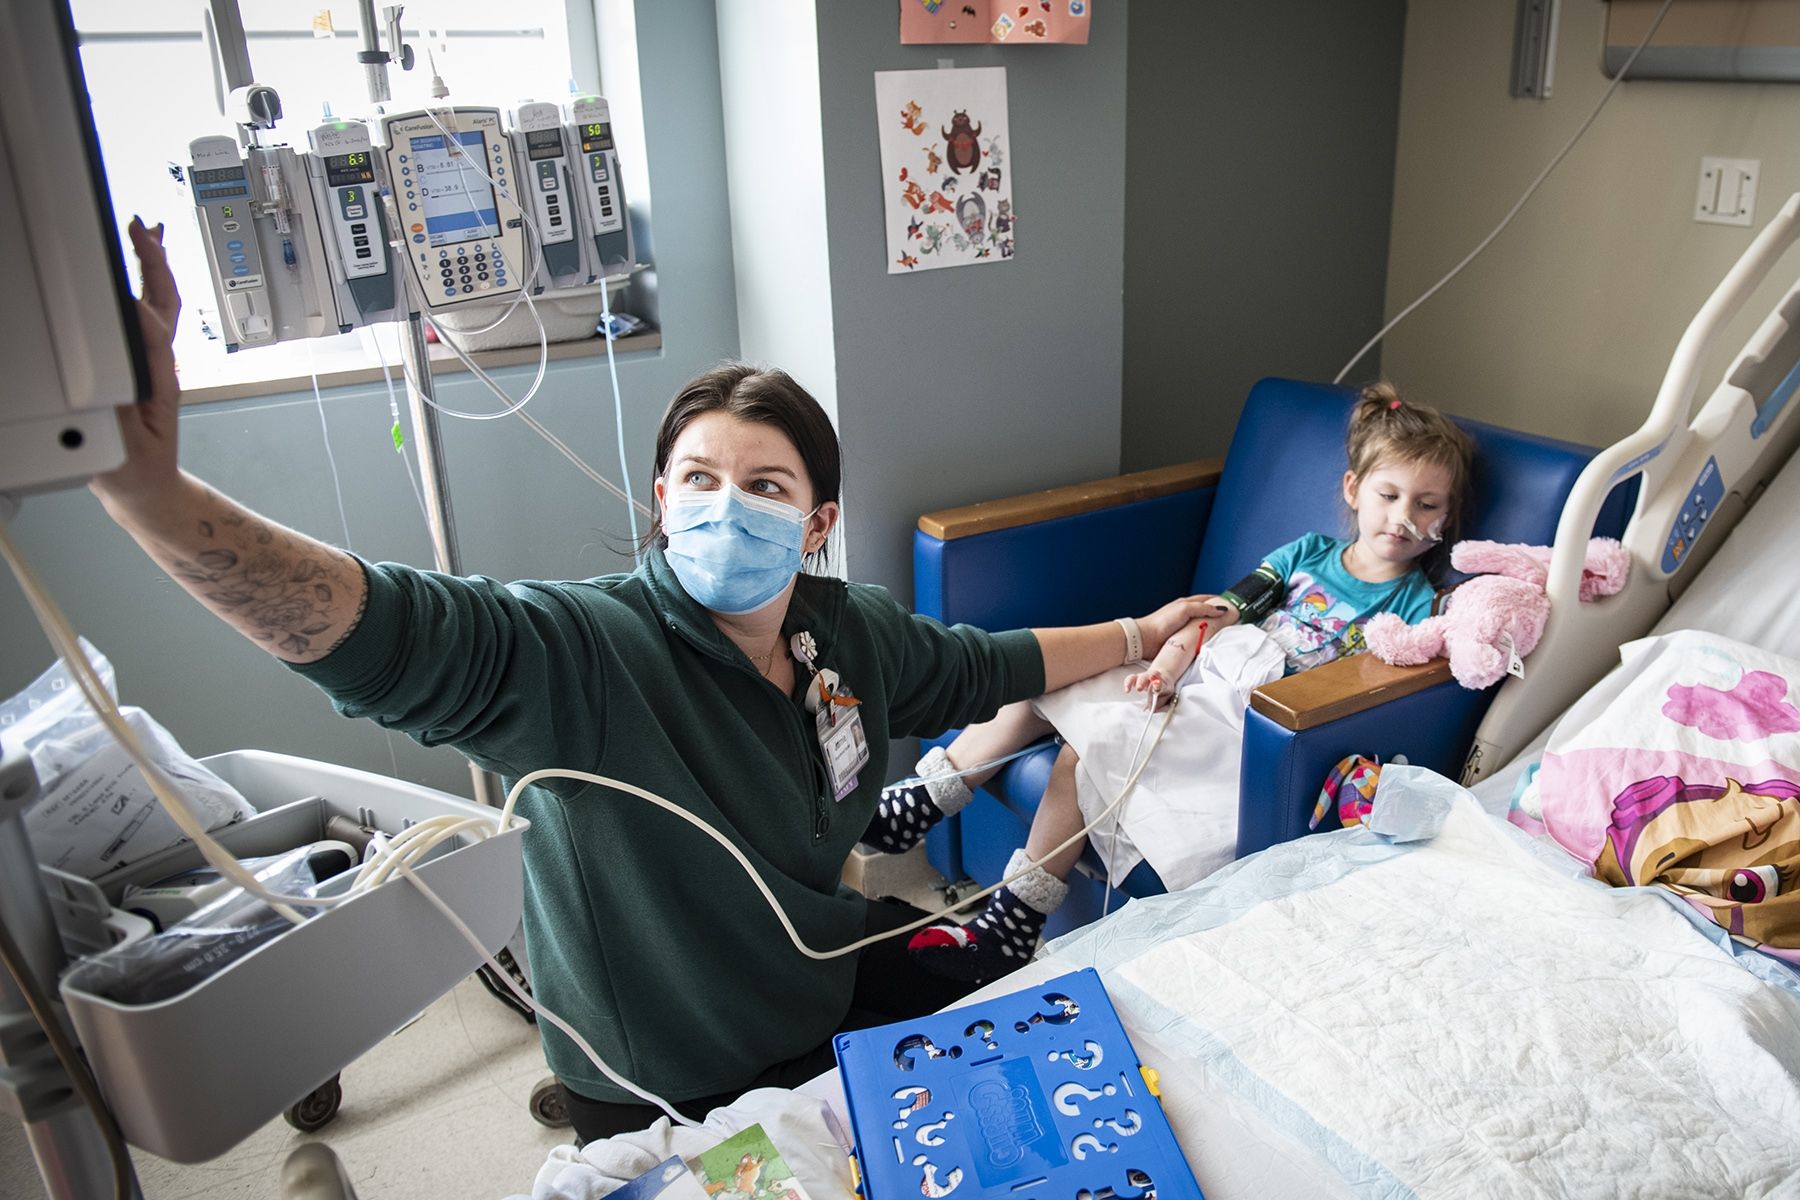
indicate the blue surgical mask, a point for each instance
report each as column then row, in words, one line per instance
column 733, row 551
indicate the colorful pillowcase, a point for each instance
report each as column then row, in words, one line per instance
column 1682, row 768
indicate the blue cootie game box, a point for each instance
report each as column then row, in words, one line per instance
column 1036, row 1095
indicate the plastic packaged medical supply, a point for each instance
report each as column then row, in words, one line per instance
column 1411, row 803
column 178, row 897
column 95, row 812
column 169, row 963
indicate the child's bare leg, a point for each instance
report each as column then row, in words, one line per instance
column 1013, row 728
column 1057, row 818
column 1006, row 932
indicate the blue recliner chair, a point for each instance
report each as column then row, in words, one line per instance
column 1122, row 547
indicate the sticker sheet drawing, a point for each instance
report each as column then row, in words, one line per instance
column 947, row 194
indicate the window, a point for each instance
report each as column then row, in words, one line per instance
column 150, row 78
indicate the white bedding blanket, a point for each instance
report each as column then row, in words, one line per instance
column 1464, row 1018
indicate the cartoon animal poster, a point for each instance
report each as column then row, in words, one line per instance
column 946, row 167
column 1011, row 22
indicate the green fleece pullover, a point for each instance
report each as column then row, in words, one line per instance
column 642, row 932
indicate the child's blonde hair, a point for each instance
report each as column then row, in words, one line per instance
column 1384, row 428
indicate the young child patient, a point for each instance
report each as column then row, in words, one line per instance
column 1305, row 605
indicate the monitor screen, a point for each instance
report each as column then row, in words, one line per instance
column 457, row 201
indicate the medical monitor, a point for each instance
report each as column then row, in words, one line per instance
column 68, row 325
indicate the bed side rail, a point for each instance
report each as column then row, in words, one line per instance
column 1697, row 478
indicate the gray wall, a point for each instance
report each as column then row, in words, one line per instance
column 973, row 382
column 521, row 509
column 1259, row 180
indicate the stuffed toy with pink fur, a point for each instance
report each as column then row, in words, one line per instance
column 1505, row 602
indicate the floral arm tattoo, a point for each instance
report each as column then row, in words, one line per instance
column 296, row 597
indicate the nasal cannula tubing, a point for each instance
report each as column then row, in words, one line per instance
column 401, row 852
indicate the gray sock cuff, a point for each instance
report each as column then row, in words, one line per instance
column 951, row 795
column 1038, row 889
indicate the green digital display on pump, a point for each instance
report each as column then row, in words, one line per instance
column 596, row 136
column 355, row 167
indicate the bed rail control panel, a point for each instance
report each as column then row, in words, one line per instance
column 1702, row 502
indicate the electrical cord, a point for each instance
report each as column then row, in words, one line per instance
column 1514, row 211
column 72, row 1063
column 1119, row 808
column 978, row 768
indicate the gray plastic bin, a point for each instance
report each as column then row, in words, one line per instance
column 191, row 1076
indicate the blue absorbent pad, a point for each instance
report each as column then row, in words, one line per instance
column 1036, row 1095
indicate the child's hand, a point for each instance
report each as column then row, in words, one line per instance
column 1152, row 685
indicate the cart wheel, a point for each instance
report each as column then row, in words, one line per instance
column 318, row 1108
column 547, row 1107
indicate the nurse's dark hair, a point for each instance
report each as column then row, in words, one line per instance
column 768, row 397
column 1386, row 429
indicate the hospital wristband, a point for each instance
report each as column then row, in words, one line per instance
column 1134, row 640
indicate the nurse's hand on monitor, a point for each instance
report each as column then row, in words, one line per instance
column 149, row 428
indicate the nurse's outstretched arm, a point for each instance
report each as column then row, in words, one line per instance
column 294, row 596
column 1077, row 652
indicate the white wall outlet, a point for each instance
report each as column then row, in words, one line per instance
column 1727, row 190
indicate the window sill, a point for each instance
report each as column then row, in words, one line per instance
column 443, row 361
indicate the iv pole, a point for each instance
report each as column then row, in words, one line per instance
column 433, row 469
column 232, row 58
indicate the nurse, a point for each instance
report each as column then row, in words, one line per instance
column 694, row 677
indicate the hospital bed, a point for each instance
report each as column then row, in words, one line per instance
column 1470, row 1013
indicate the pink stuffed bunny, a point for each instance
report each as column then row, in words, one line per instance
column 1483, row 613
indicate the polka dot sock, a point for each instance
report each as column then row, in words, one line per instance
column 1002, row 938
column 903, row 814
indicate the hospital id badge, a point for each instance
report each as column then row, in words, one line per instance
column 845, row 748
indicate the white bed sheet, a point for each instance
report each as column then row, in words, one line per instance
column 1463, row 1018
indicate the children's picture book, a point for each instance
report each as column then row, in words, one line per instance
column 747, row 1166
column 667, row 1180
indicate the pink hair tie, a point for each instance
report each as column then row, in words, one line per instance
column 1394, row 403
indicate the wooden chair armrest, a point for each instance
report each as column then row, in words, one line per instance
column 1342, row 688
column 991, row 515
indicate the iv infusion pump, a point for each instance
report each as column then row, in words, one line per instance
column 448, row 211
column 458, row 206
column 603, row 197
column 341, row 172
column 546, row 176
